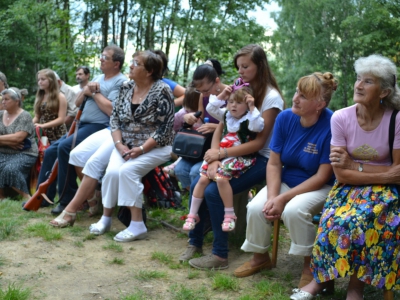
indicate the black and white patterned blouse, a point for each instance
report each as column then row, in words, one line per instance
column 154, row 118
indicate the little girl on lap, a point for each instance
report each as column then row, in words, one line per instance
column 239, row 123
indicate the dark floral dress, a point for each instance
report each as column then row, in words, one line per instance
column 53, row 133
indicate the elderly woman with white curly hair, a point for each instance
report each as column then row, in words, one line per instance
column 358, row 235
column 18, row 150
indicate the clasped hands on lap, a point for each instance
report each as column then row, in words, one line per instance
column 274, row 207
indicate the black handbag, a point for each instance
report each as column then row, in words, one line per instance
column 191, row 144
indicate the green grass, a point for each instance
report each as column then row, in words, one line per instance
column 90, row 237
column 117, row 261
column 113, row 247
column 76, row 230
column 193, row 274
column 225, row 282
column 151, row 274
column 14, row 292
column 162, row 257
column 137, row 295
column 64, row 267
column 180, row 292
column 44, row 231
column 78, row 244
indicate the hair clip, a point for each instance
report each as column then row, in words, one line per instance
column 239, row 83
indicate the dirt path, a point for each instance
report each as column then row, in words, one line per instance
column 75, row 268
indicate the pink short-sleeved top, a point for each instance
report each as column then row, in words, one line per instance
column 370, row 147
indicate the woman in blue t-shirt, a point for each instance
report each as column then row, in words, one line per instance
column 299, row 176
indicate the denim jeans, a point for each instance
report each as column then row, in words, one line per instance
column 186, row 171
column 213, row 201
column 60, row 150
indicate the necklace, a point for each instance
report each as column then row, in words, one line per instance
column 11, row 115
column 141, row 95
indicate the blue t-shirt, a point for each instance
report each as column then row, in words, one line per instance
column 108, row 88
column 302, row 150
column 171, row 84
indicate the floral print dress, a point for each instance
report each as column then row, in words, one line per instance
column 46, row 115
column 359, row 233
column 235, row 133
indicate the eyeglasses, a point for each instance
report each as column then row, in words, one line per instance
column 103, row 57
column 206, row 91
column 135, row 63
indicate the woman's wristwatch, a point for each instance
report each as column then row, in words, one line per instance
column 141, row 148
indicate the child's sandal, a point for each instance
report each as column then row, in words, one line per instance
column 229, row 223
column 191, row 221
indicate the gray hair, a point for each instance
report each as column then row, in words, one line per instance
column 14, row 94
column 3, row 78
column 385, row 70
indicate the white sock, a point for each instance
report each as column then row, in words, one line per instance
column 137, row 228
column 105, row 221
column 195, row 205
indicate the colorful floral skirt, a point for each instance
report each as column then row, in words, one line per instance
column 359, row 234
column 231, row 167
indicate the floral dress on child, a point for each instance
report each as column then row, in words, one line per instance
column 235, row 132
column 46, row 115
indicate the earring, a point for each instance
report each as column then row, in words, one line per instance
column 381, row 101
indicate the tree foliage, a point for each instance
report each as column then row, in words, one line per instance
column 312, row 35
column 328, row 36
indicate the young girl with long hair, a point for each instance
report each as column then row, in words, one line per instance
column 50, row 106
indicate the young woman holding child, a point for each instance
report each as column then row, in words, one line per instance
column 252, row 65
column 238, row 124
column 50, row 106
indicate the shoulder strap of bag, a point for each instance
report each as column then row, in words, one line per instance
column 392, row 126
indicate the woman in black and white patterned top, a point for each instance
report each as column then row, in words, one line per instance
column 142, row 131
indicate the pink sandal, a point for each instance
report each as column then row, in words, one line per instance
column 229, row 223
column 191, row 221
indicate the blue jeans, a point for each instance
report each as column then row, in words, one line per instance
column 213, row 201
column 60, row 150
column 186, row 171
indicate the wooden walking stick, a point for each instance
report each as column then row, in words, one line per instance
column 36, row 200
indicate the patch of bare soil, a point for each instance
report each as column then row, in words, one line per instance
column 63, row 270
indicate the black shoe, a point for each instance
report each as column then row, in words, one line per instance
column 45, row 203
column 58, row 209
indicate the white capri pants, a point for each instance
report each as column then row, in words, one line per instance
column 123, row 179
column 93, row 153
column 297, row 217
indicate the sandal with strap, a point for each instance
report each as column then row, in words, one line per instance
column 96, row 200
column 229, row 223
column 61, row 222
column 191, row 221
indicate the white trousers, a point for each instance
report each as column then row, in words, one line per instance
column 297, row 217
column 93, row 153
column 122, row 183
